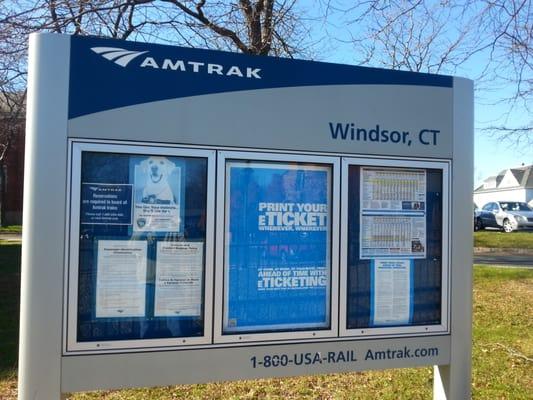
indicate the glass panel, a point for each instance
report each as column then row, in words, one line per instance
column 141, row 248
column 277, row 247
column 394, row 247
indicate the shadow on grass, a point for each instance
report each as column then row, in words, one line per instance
column 9, row 307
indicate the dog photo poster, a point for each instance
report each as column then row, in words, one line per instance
column 157, row 195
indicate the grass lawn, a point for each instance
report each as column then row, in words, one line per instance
column 11, row 229
column 517, row 240
column 502, row 355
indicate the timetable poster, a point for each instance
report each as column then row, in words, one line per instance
column 277, row 268
column 157, row 194
column 392, row 292
column 393, row 189
column 121, row 278
column 393, row 213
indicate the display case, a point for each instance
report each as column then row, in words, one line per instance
column 140, row 254
column 277, row 255
column 394, row 257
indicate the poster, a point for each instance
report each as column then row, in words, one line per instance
column 104, row 203
column 157, row 195
column 393, row 189
column 121, row 278
column 393, row 213
column 392, row 292
column 178, row 282
column 277, row 267
column 393, row 235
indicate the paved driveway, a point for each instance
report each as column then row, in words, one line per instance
column 504, row 258
column 11, row 237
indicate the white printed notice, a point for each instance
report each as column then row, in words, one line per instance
column 121, row 278
column 178, row 285
column 393, row 213
column 391, row 298
column 157, row 194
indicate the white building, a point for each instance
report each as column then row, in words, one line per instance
column 513, row 184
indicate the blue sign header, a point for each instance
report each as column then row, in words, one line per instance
column 107, row 74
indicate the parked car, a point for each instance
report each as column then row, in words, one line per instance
column 477, row 220
column 505, row 215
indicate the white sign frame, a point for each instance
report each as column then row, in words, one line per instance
column 243, row 337
column 71, row 345
column 398, row 331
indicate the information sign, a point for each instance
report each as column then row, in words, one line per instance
column 215, row 216
column 108, row 204
column 121, row 278
column 392, row 286
column 178, row 281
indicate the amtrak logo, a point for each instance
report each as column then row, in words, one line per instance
column 123, row 57
column 119, row 56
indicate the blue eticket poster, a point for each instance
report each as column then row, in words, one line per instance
column 277, row 250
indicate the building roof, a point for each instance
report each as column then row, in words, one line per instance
column 519, row 177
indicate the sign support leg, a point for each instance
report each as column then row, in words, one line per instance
column 41, row 298
column 452, row 382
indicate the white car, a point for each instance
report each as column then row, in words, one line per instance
column 505, row 215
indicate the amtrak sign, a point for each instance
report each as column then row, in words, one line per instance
column 124, row 57
column 275, row 217
column 118, row 56
column 196, row 66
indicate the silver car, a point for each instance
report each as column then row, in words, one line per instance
column 505, row 215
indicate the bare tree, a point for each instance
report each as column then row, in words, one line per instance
column 258, row 27
column 451, row 36
column 510, row 64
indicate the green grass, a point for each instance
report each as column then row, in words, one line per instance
column 503, row 333
column 9, row 307
column 496, row 239
column 11, row 229
column 502, row 352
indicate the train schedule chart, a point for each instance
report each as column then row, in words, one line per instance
column 393, row 213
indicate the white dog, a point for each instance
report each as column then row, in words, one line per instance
column 157, row 190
